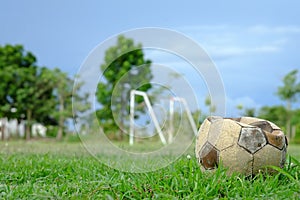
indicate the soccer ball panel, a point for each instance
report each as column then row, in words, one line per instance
column 225, row 141
column 276, row 138
column 237, row 119
column 215, row 131
column 252, row 139
column 236, row 159
column 202, row 135
column 266, row 156
column 273, row 133
column 264, row 125
column 209, row 156
column 214, row 118
column 229, row 133
column 283, row 156
column 249, row 120
column 231, row 127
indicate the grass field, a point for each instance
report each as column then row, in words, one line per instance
column 49, row 170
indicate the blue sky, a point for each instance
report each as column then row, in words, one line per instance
column 253, row 44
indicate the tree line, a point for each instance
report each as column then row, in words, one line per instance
column 39, row 94
column 35, row 93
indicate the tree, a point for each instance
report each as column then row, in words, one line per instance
column 289, row 93
column 276, row 114
column 125, row 58
column 250, row 112
column 64, row 91
column 295, row 122
column 36, row 94
column 35, row 97
column 13, row 59
column 208, row 103
column 21, row 89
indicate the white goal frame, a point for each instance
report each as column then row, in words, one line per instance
column 188, row 112
column 133, row 93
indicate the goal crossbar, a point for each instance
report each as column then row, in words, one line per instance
column 133, row 93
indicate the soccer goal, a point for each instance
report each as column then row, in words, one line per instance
column 172, row 100
column 133, row 93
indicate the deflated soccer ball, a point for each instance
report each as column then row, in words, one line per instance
column 245, row 145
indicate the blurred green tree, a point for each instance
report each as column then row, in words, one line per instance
column 23, row 94
column 245, row 111
column 12, row 59
column 64, row 91
column 289, row 93
column 276, row 114
column 35, row 94
column 123, row 59
column 208, row 103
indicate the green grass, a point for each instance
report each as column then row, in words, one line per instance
column 48, row 170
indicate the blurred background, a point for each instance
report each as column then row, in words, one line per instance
column 253, row 45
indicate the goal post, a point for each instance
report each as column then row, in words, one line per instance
column 153, row 117
column 188, row 112
column 133, row 93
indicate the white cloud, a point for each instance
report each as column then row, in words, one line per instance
column 256, row 29
column 261, row 29
column 265, row 49
column 229, row 51
column 225, row 42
